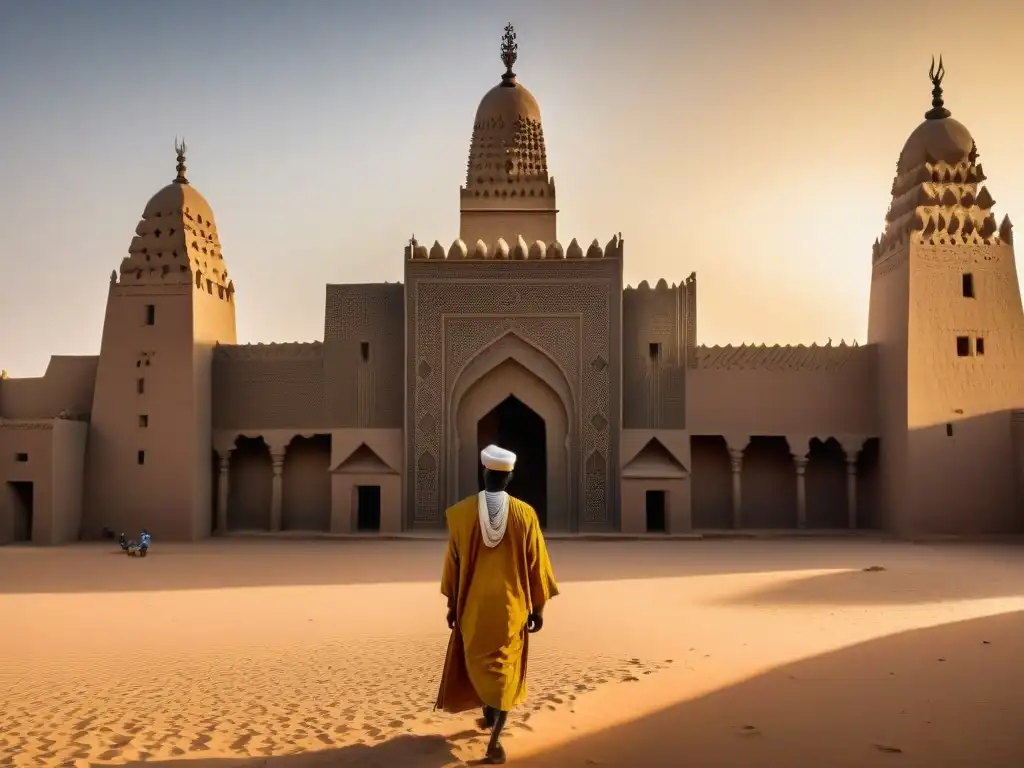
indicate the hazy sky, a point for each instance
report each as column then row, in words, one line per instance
column 751, row 141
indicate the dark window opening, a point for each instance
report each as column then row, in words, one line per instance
column 21, row 458
column 654, row 350
column 367, row 507
column 967, row 284
column 949, row 430
column 963, row 346
column 979, row 346
column 364, row 351
column 143, row 420
column 655, row 509
column 150, row 314
column 142, row 457
column 140, row 386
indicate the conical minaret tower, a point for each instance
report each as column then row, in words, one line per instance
column 149, row 454
column 946, row 315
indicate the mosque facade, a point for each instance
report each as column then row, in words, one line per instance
column 621, row 420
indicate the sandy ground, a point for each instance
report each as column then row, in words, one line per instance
column 309, row 654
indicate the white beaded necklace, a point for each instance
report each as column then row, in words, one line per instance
column 492, row 527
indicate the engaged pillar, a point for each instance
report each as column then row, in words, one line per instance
column 277, row 462
column 801, row 491
column 223, row 487
column 851, row 490
column 736, row 462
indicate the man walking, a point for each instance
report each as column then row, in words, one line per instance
column 497, row 578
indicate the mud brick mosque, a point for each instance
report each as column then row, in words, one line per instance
column 513, row 335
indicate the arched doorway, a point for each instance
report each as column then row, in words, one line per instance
column 516, row 427
column 537, row 430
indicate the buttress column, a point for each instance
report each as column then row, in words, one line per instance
column 276, row 491
column 801, row 490
column 851, row 447
column 851, row 490
column 223, row 490
column 736, row 464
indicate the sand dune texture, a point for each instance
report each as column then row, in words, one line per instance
column 302, row 654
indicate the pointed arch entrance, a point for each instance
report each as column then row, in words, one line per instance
column 514, row 395
column 516, row 427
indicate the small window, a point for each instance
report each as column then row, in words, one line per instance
column 140, row 386
column 150, row 314
column 364, row 351
column 142, row 458
column 967, row 285
column 949, row 430
column 21, row 458
column 979, row 346
column 963, row 346
column 143, row 420
column 654, row 350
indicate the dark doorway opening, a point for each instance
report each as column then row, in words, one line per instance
column 655, row 506
column 23, row 498
column 516, row 427
column 367, row 507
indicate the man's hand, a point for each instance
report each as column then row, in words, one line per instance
column 534, row 622
column 451, row 618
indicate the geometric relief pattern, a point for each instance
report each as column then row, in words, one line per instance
column 567, row 316
column 596, row 474
column 426, row 474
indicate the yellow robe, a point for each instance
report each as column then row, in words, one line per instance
column 494, row 590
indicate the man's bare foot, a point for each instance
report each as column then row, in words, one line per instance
column 494, row 756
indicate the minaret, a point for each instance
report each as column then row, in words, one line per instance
column 508, row 192
column 946, row 315
column 150, row 446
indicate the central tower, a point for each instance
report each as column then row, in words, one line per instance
column 508, row 193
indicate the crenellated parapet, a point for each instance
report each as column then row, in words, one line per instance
column 662, row 286
column 298, row 350
column 761, row 357
column 520, row 251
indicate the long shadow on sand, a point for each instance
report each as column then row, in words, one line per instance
column 406, row 751
column 236, row 563
column 907, row 585
column 939, row 697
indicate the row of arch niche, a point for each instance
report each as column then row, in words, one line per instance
column 768, row 473
column 305, row 485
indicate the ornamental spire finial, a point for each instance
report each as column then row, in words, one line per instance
column 509, row 54
column 180, row 147
column 938, row 110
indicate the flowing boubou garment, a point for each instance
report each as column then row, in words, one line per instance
column 494, row 590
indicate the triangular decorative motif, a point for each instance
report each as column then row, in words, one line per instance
column 655, row 461
column 364, row 460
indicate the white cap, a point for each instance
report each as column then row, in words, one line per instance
column 497, row 459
